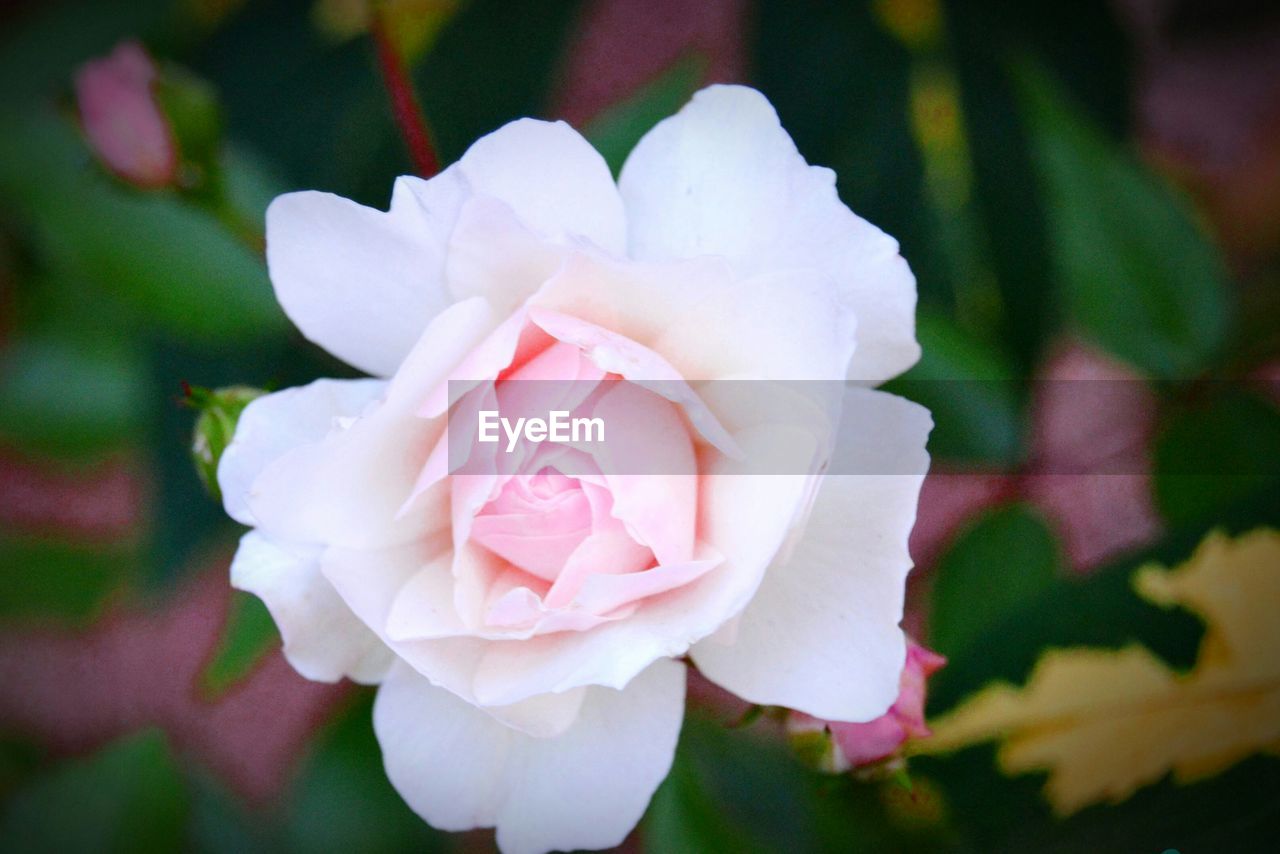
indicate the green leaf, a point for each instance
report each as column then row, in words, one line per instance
column 732, row 790
column 192, row 109
column 44, row 576
column 617, row 130
column 175, row 263
column 72, row 393
column 1003, row 562
column 968, row 387
column 340, row 800
column 128, row 797
column 478, row 77
column 43, row 44
column 248, row 634
column 684, row 817
column 343, row 800
column 1136, row 272
column 1216, row 452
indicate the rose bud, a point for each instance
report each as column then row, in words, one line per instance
column 122, row 118
column 219, row 413
column 838, row 746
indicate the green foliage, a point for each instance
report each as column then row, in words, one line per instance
column 1153, row 294
column 739, row 790
column 617, row 130
column 248, row 633
column 1214, row 452
column 1003, row 562
column 127, row 797
column 66, row 392
column 340, row 801
column 53, row 576
column 970, row 390
column 174, row 263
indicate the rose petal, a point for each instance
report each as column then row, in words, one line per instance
column 821, row 635
column 323, row 639
column 276, row 423
column 723, row 178
column 552, row 178
column 778, row 324
column 348, row 488
column 359, row 282
column 586, row 788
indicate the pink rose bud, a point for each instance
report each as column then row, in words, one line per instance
column 122, row 118
column 838, row 747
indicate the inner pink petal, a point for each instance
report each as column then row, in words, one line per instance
column 540, row 536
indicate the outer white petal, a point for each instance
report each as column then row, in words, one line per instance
column 459, row 768
column 706, row 322
column 552, row 178
column 359, row 282
column 722, row 177
column 276, row 423
column 323, row 640
column 349, row 487
column 364, row 283
column 822, row 634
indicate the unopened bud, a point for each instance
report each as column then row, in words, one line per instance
column 875, row 745
column 219, row 412
column 122, row 117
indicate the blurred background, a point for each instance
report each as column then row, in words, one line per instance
column 1088, row 193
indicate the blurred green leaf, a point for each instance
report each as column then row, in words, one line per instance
column 340, row 801
column 684, row 817
column 343, row 800
column 1003, row 562
column 617, row 130
column 71, row 393
column 1136, row 272
column 127, row 797
column 969, row 388
column 48, row 40
column 174, row 263
column 191, row 106
column 248, row 186
column 478, row 77
column 248, row 634
column 1216, row 452
column 734, row 790
column 47, row 576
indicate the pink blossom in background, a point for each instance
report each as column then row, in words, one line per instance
column 1093, row 423
column 122, row 119
column 1089, row 472
column 102, row 502
column 620, row 45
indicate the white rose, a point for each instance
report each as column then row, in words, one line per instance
column 527, row 634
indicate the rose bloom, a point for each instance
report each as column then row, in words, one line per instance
column 529, row 631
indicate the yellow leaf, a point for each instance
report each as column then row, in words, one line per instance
column 1104, row 723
